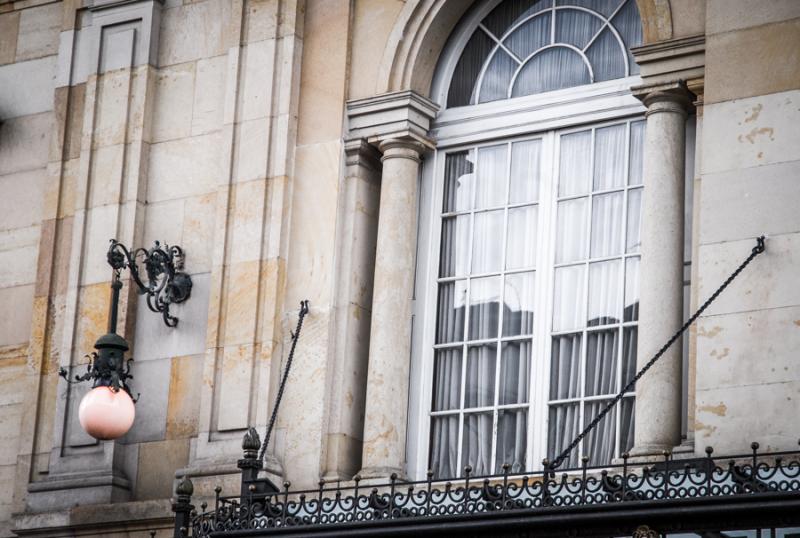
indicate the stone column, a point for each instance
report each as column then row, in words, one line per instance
column 390, row 331
column 658, row 393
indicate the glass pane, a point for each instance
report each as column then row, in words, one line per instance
column 551, row 69
column 455, row 246
column 512, row 433
column 479, row 385
column 484, row 308
column 601, row 362
column 629, row 25
column 576, row 27
column 469, row 65
column 575, row 173
column 459, row 181
column 626, row 424
column 603, row 7
column 609, row 157
column 521, row 237
column 563, row 425
column 444, row 446
column 451, row 309
column 515, row 372
column 607, row 224
column 447, row 379
column 568, row 301
column 600, row 441
column 518, row 308
column 525, row 171
column 530, row 37
column 629, row 345
column 565, row 367
column 487, row 244
column 636, row 154
column 497, row 78
column 631, row 289
column 572, row 241
column 501, row 18
column 607, row 58
column 633, row 232
column 476, row 448
column 491, row 180
column 605, row 293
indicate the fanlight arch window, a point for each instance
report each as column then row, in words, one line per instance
column 526, row 47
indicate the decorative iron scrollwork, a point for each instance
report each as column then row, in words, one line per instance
column 164, row 284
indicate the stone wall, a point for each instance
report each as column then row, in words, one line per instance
column 748, row 384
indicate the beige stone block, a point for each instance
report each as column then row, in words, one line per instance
column 157, row 464
column 172, row 114
column 185, row 167
column 25, row 142
column 38, row 32
column 728, row 15
column 209, row 91
column 74, row 119
column 258, row 63
column 726, row 419
column 248, row 221
column 16, row 328
column 70, row 13
column 241, row 303
column 22, row 199
column 745, row 63
column 748, row 348
column 198, row 232
column 262, row 20
column 183, row 404
column 106, row 175
column 252, row 152
column 688, row 17
column 373, row 22
column 235, row 386
column 45, row 258
column 19, row 238
column 27, row 87
column 68, row 185
column 190, row 32
column 62, row 255
column 751, row 132
column 314, row 202
column 19, row 266
column 732, row 203
column 10, row 424
column 9, row 29
column 111, row 113
column 92, row 316
column 770, row 281
column 162, row 222
column 101, row 227
column 322, row 82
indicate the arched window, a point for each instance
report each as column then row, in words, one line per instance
column 529, row 239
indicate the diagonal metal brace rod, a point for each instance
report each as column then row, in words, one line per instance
column 295, row 337
column 758, row 249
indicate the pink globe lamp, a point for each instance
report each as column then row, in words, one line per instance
column 105, row 413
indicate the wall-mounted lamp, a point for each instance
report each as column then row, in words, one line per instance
column 107, row 411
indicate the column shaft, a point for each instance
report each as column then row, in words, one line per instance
column 390, row 331
column 658, row 393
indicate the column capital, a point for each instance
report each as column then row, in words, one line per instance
column 406, row 147
column 359, row 152
column 672, row 97
column 403, row 115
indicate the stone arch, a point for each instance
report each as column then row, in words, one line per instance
column 423, row 27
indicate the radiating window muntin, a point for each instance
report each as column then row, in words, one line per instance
column 525, row 47
column 491, row 255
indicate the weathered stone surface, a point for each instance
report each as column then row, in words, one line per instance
column 27, row 87
column 9, row 29
column 728, row 15
column 157, row 462
column 185, row 167
column 743, row 63
column 25, row 142
column 172, row 113
column 38, row 32
column 16, row 329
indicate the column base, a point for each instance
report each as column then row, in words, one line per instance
column 380, row 475
column 655, row 453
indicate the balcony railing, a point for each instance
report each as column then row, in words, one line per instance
column 720, row 492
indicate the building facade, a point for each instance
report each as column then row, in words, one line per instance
column 498, row 211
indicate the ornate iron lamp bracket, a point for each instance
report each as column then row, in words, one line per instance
column 164, row 281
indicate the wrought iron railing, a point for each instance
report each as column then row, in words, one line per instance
column 262, row 507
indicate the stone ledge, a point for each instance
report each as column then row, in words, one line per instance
column 117, row 517
column 404, row 114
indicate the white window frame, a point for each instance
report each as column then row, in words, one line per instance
column 500, row 121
